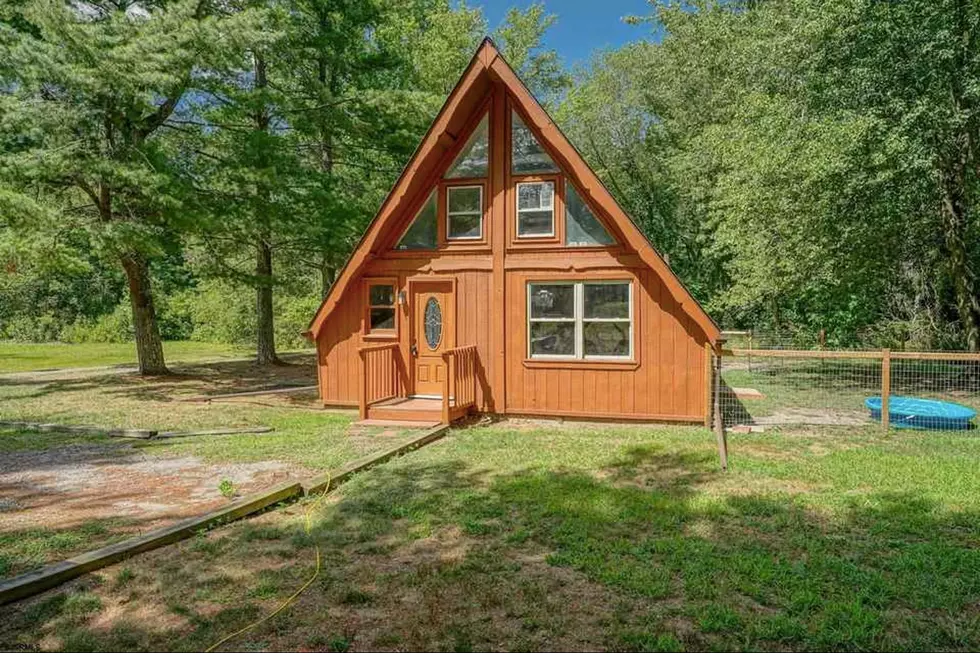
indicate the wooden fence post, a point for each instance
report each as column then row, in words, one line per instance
column 719, row 418
column 886, row 386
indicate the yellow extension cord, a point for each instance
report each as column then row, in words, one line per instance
column 285, row 604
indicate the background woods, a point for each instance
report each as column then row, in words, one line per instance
column 200, row 170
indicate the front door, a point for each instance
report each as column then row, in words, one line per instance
column 432, row 323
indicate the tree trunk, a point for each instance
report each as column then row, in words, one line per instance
column 265, row 332
column 328, row 273
column 954, row 214
column 149, row 347
column 265, row 336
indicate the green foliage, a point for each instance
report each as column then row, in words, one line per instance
column 227, row 488
column 804, row 164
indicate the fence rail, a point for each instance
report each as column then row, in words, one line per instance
column 760, row 387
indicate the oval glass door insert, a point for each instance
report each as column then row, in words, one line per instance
column 433, row 323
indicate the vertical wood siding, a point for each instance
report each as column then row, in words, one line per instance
column 667, row 384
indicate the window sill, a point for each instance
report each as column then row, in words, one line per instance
column 380, row 335
column 580, row 364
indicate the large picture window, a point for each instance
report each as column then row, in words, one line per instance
column 580, row 320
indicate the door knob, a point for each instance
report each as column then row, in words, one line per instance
column 414, row 349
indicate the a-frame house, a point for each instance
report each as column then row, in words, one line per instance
column 500, row 275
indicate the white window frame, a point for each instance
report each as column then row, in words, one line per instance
column 580, row 320
column 517, row 202
column 451, row 214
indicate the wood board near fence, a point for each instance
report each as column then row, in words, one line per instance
column 846, row 353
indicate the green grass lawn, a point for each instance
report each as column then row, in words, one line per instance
column 26, row 357
column 521, row 536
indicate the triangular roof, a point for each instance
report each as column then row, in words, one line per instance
column 485, row 68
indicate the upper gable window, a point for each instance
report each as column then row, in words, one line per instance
column 474, row 159
column 423, row 233
column 582, row 228
column 526, row 154
column 535, row 209
column 464, row 212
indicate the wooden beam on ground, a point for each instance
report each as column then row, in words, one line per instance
column 47, row 577
column 250, row 393
column 143, row 434
column 229, row 431
column 332, row 479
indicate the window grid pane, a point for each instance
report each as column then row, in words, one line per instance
column 464, row 212
column 552, row 333
column 536, row 208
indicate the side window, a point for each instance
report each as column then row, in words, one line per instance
column 381, row 308
column 526, row 154
column 535, row 209
column 464, row 212
column 423, row 232
column 582, row 228
column 474, row 159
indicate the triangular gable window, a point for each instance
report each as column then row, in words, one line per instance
column 526, row 154
column 422, row 233
column 582, row 228
column 474, row 159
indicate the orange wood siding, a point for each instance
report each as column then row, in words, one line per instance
column 665, row 383
column 338, row 366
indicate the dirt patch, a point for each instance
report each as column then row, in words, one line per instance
column 67, row 486
column 813, row 416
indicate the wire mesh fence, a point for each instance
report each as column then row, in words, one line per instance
column 763, row 387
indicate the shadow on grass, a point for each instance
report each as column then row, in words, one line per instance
column 202, row 378
column 642, row 555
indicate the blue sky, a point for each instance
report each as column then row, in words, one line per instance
column 583, row 25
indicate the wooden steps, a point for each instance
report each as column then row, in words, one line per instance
column 412, row 411
column 407, row 410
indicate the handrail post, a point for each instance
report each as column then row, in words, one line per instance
column 362, row 395
column 445, row 389
column 886, row 388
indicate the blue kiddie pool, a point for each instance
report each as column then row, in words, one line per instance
column 914, row 413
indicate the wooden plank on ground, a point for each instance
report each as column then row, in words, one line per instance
column 251, row 393
column 47, row 577
column 332, row 479
column 228, row 431
column 69, row 428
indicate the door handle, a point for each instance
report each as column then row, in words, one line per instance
column 414, row 349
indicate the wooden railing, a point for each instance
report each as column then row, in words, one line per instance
column 460, row 380
column 380, row 375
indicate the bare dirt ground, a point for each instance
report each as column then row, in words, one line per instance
column 68, row 486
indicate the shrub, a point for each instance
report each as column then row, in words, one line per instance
column 116, row 326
